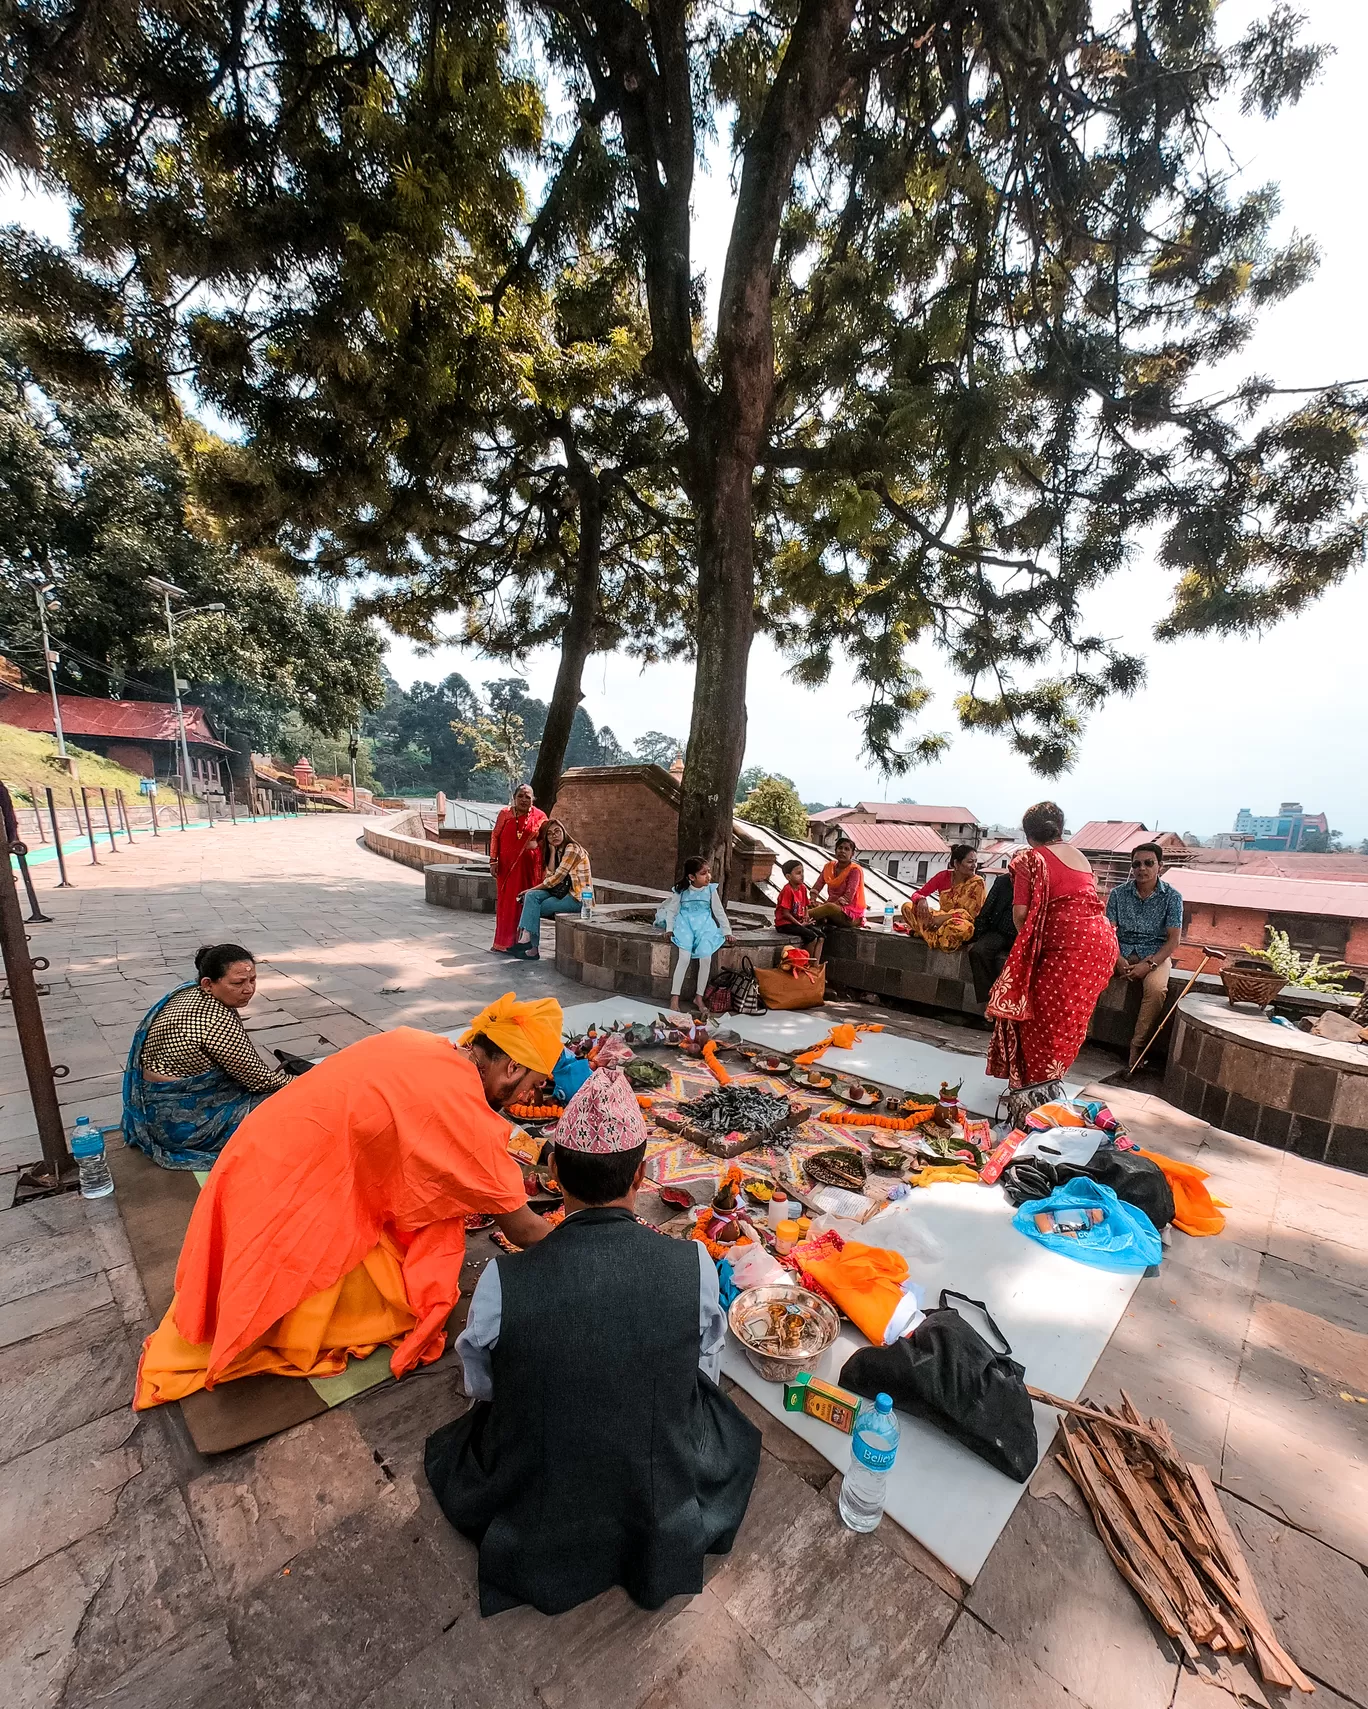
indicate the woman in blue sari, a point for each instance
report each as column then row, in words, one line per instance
column 193, row 1074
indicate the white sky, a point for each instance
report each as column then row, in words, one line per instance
column 1220, row 724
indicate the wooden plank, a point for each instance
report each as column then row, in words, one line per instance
column 1079, row 1410
column 1134, row 1560
column 1276, row 1666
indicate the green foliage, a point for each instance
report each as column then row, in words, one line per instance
column 1314, row 841
column 499, row 744
column 753, row 776
column 656, row 748
column 329, row 755
column 1313, row 975
column 93, row 493
column 774, row 802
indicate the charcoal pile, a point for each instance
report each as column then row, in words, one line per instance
column 729, row 1109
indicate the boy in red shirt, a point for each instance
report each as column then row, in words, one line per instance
column 791, row 912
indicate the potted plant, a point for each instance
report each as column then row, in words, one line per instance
column 1260, row 974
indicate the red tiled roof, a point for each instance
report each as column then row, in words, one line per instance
column 116, row 720
column 1259, row 863
column 897, row 813
column 898, row 839
column 1337, row 901
column 1104, row 836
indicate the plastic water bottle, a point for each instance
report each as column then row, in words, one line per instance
column 873, row 1448
column 587, row 903
column 88, row 1148
column 888, row 918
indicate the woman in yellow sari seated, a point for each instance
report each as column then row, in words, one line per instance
column 960, row 893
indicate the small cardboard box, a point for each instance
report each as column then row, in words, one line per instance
column 819, row 1399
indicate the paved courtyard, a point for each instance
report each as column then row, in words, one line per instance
column 315, row 1569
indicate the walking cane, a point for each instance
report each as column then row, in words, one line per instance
column 1207, row 955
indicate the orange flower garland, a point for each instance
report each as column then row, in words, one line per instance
column 865, row 1118
column 715, row 1068
column 535, row 1112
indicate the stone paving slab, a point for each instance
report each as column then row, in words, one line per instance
column 315, row 1569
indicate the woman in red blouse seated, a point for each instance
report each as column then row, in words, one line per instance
column 1059, row 965
column 959, row 894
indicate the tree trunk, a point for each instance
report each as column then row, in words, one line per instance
column 726, row 624
column 577, row 643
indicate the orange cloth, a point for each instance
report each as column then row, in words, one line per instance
column 334, row 1220
column 1194, row 1209
column 841, row 1036
column 865, row 1281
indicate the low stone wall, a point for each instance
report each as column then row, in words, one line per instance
column 448, row 886
column 891, row 964
column 1285, row 1089
column 632, row 959
column 401, row 838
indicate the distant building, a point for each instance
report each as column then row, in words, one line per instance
column 1283, row 830
column 1325, row 917
column 907, row 852
column 1108, row 844
column 952, row 824
column 139, row 734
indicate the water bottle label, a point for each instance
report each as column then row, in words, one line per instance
column 871, row 1452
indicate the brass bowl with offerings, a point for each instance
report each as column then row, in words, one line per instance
column 783, row 1329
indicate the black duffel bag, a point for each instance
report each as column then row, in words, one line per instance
column 1129, row 1175
column 946, row 1373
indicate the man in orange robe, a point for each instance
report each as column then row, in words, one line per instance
column 334, row 1220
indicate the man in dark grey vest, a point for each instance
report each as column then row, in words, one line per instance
column 600, row 1450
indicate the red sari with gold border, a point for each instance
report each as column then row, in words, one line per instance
column 1058, row 968
column 514, row 846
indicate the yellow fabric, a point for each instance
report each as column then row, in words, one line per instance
column 939, row 1174
column 529, row 1032
column 367, row 1309
column 953, row 926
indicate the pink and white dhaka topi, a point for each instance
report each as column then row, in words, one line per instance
column 603, row 1116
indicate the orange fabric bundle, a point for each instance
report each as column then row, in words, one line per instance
column 843, row 1037
column 369, row 1162
column 1194, row 1209
column 867, row 1118
column 865, row 1281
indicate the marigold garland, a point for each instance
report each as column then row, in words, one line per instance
column 865, row 1118
column 535, row 1112
column 715, row 1068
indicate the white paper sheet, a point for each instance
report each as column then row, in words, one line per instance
column 1057, row 1314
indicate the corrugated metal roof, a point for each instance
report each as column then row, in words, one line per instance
column 1105, row 836
column 1339, row 901
column 1258, row 863
column 898, row 813
column 880, row 889
column 898, row 839
column 115, row 720
column 470, row 816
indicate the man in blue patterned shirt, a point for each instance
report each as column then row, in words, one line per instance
column 1148, row 916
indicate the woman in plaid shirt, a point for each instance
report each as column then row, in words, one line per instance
column 567, row 878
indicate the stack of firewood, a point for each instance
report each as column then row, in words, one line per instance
column 1163, row 1524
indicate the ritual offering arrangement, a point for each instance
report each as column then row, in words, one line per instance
column 736, row 1118
column 783, row 1329
column 841, row 1166
column 856, row 1094
column 646, row 1076
column 813, row 1078
column 768, row 1064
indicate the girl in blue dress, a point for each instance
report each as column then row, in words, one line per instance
column 697, row 922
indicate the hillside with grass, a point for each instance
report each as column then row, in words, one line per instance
column 29, row 761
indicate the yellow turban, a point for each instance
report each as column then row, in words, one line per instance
column 528, row 1032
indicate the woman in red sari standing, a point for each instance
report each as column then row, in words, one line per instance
column 1059, row 965
column 515, row 859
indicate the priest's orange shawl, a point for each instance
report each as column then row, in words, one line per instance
column 388, row 1144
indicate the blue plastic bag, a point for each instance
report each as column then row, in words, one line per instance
column 1125, row 1239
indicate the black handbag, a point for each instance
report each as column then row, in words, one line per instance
column 559, row 889
column 745, row 990
column 1129, row 1175
column 946, row 1373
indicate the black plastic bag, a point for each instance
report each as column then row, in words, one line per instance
column 946, row 1373
column 1129, row 1175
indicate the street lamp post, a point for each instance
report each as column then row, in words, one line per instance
column 42, row 587
column 166, row 590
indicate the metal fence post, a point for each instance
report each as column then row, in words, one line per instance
column 57, row 842
column 109, row 823
column 123, row 814
column 20, row 853
column 180, row 802
column 90, row 829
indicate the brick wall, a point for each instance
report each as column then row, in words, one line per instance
column 1228, row 928
column 628, row 819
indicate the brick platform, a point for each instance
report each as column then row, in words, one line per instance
column 632, row 959
column 1238, row 1071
